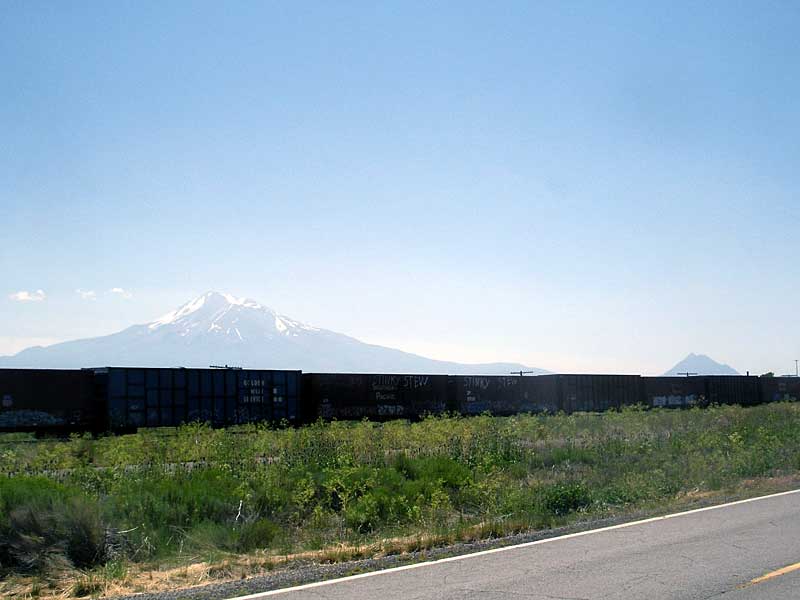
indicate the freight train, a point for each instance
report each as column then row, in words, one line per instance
column 121, row 399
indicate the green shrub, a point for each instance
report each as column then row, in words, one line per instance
column 179, row 500
column 449, row 472
column 563, row 498
column 257, row 534
column 39, row 492
column 363, row 515
column 206, row 538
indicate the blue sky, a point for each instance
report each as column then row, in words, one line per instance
column 580, row 186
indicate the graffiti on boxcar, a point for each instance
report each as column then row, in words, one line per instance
column 481, row 383
column 416, row 381
column 29, row 418
column 392, row 382
column 385, row 382
column 675, row 400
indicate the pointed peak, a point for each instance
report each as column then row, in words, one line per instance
column 701, row 364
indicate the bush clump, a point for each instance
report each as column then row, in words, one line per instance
column 42, row 538
column 563, row 498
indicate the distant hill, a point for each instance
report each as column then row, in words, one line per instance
column 218, row 328
column 702, row 365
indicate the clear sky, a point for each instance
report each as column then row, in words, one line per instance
column 579, row 186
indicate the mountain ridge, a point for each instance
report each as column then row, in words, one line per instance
column 218, row 328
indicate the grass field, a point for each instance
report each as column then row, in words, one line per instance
column 80, row 515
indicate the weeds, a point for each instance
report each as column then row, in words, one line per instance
column 359, row 489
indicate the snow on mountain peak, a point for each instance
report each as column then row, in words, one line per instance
column 239, row 301
column 186, row 309
column 225, row 314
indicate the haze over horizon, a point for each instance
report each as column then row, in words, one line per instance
column 587, row 188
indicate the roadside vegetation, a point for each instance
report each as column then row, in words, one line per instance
column 81, row 515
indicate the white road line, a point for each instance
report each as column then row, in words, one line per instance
column 420, row 565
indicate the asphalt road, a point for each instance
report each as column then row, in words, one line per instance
column 732, row 551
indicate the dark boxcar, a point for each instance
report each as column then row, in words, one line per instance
column 674, row 391
column 47, row 399
column 775, row 389
column 540, row 394
column 496, row 394
column 574, row 393
column 348, row 396
column 733, row 389
column 144, row 397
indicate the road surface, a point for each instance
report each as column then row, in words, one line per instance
column 741, row 551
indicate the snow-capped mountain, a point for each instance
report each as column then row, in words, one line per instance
column 218, row 329
column 223, row 315
column 702, row 365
